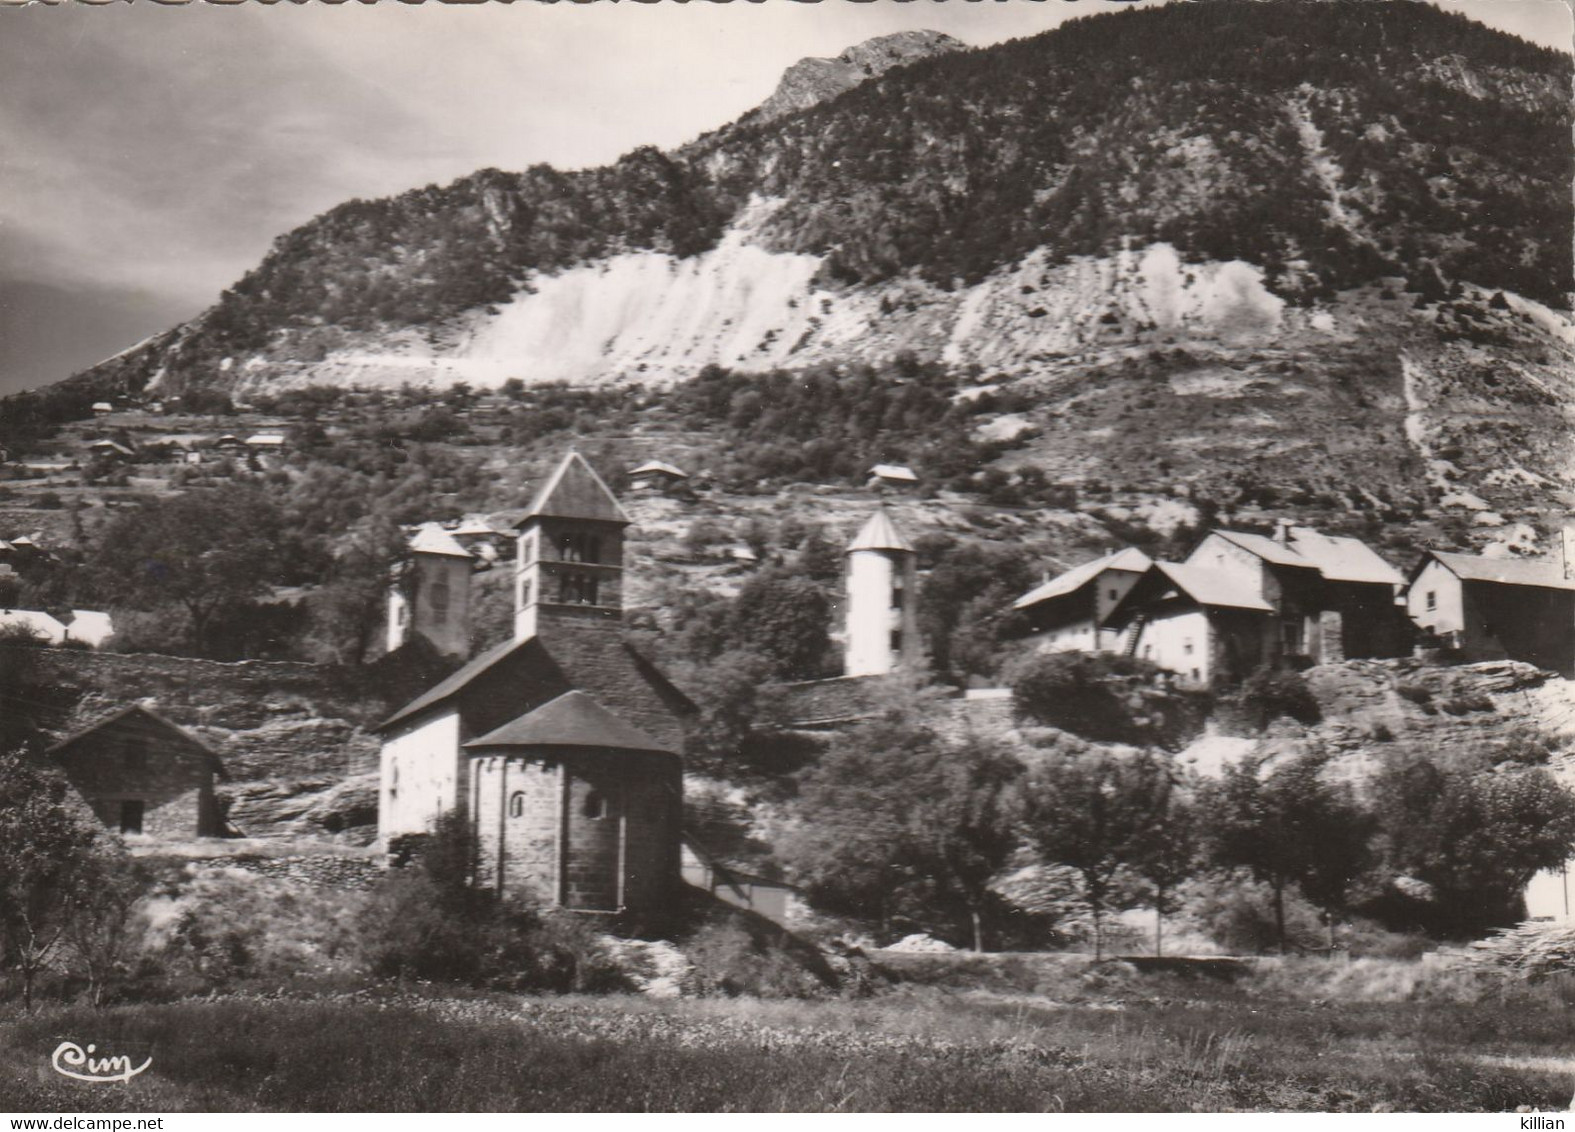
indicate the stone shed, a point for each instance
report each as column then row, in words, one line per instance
column 143, row 775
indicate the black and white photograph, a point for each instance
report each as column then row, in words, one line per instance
column 867, row 556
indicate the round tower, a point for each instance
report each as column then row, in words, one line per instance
column 433, row 599
column 882, row 623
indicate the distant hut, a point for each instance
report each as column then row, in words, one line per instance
column 893, row 476
column 655, row 475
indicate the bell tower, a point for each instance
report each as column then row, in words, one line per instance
column 569, row 560
column 882, row 628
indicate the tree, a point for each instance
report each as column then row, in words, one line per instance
column 896, row 823
column 52, row 856
column 1288, row 827
column 1168, row 857
column 1094, row 812
column 787, row 620
column 348, row 611
column 1475, row 837
column 201, row 551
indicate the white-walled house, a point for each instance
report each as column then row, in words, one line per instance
column 1497, row 608
column 1068, row 612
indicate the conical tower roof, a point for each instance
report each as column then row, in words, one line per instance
column 575, row 491
column 879, row 533
column 433, row 539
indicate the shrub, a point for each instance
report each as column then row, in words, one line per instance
column 1267, row 695
column 729, row 961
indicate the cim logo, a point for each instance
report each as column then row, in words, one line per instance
column 69, row 1057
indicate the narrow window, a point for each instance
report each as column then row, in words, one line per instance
column 393, row 779
column 131, row 816
column 1432, row 600
column 896, row 640
column 1195, row 677
column 1186, row 648
column 595, row 805
column 1112, row 593
column 517, row 804
column 438, row 597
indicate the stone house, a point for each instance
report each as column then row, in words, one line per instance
column 1333, row 597
column 431, row 598
column 1497, row 608
column 1067, row 613
column 140, row 774
column 1201, row 624
column 1241, row 601
column 506, row 722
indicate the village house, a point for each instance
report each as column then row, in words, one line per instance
column 558, row 748
column 1334, row 597
column 86, row 626
column 1067, row 613
column 266, row 442
column 1497, row 608
column 141, row 774
column 1241, row 601
column 655, row 475
column 102, row 408
column 485, row 537
column 111, row 451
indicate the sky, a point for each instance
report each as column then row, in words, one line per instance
column 150, row 153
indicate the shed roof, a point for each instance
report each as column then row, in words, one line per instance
column 879, row 533
column 115, row 717
column 574, row 719
column 1342, row 559
column 266, row 439
column 1130, row 558
column 431, row 538
column 659, row 466
column 894, row 472
column 1212, row 587
column 1545, row 573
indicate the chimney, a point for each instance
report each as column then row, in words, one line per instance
column 1282, row 531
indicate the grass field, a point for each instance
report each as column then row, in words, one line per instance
column 1178, row 1046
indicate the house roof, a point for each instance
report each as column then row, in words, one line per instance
column 1266, row 548
column 121, row 448
column 1544, row 573
column 208, row 752
column 456, row 681
column 36, row 620
column 1342, row 559
column 430, row 538
column 879, row 533
column 575, row 491
column 1131, row 558
column 1212, row 587
column 574, row 719
column 664, row 468
column 476, row 525
column 103, row 406
column 268, row 439
column 894, row 472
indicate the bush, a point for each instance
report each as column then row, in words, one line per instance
column 1268, row 694
column 729, row 961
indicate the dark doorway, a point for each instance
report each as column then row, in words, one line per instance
column 131, row 816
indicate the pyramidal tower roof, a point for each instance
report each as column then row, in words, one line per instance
column 879, row 533
column 433, row 539
column 575, row 491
